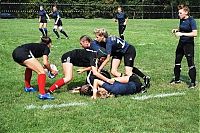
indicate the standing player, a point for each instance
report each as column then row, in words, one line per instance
column 26, row 56
column 58, row 23
column 43, row 16
column 80, row 58
column 187, row 31
column 118, row 48
column 122, row 19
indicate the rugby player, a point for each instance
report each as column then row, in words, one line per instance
column 58, row 23
column 43, row 16
column 187, row 31
column 122, row 20
column 26, row 55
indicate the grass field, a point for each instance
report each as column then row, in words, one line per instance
column 155, row 56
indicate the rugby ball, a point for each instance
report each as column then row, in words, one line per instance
column 49, row 74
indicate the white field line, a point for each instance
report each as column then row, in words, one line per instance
column 158, row 96
column 49, row 106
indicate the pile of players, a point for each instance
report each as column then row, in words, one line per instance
column 94, row 55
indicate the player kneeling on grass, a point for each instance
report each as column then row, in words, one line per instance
column 26, row 56
column 125, row 85
column 80, row 58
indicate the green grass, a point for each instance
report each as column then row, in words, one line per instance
column 155, row 56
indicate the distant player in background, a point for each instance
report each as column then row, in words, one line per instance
column 58, row 23
column 43, row 16
column 26, row 55
column 122, row 19
column 187, row 31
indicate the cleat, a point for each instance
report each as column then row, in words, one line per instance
column 46, row 96
column 143, row 89
column 192, row 86
column 147, row 81
column 173, row 81
column 29, row 89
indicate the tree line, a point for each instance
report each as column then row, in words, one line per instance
column 100, row 8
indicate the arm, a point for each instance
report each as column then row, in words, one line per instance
column 47, row 16
column 58, row 17
column 99, row 75
column 83, row 70
column 191, row 34
column 96, row 84
column 47, row 65
column 126, row 20
column 39, row 18
column 123, row 79
column 104, row 63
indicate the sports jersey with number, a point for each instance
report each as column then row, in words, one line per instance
column 116, row 45
column 186, row 26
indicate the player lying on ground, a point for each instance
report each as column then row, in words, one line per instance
column 125, row 85
column 26, row 56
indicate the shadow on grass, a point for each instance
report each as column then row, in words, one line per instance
column 185, row 79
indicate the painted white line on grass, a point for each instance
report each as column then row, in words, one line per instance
column 49, row 106
column 158, row 96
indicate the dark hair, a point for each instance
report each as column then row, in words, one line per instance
column 46, row 40
column 86, row 38
column 184, row 7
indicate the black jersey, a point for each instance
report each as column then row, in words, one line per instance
column 80, row 57
column 37, row 49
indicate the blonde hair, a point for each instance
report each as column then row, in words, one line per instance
column 184, row 7
column 101, row 32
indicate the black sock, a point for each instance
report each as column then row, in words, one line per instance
column 138, row 72
column 122, row 36
column 40, row 29
column 56, row 32
column 45, row 30
column 177, row 71
column 64, row 33
column 192, row 74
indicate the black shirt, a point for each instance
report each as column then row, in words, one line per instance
column 37, row 49
column 81, row 57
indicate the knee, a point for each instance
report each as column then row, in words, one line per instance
column 67, row 79
column 41, row 71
